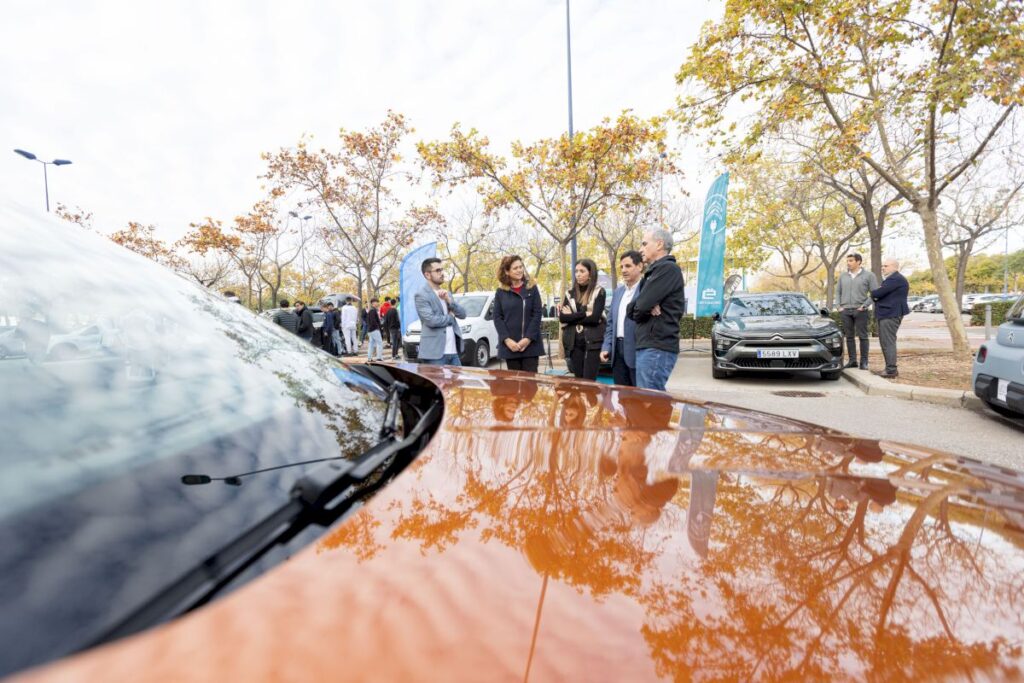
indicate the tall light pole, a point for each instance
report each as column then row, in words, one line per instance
column 568, row 60
column 1006, row 262
column 661, row 191
column 302, row 236
column 46, row 183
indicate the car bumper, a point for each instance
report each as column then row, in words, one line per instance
column 986, row 387
column 743, row 355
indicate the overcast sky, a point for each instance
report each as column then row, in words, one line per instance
column 165, row 107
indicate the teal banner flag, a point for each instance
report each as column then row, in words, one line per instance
column 711, row 265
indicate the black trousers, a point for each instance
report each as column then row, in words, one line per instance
column 622, row 373
column 855, row 326
column 584, row 362
column 523, row 364
column 396, row 342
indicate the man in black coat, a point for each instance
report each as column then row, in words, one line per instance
column 656, row 309
column 890, row 307
column 393, row 324
column 305, row 327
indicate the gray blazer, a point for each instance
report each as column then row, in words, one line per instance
column 433, row 322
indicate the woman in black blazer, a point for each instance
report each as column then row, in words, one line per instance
column 517, row 314
column 583, row 321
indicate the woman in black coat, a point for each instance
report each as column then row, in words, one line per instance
column 583, row 321
column 517, row 314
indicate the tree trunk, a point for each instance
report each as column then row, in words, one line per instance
column 830, row 286
column 563, row 257
column 963, row 254
column 876, row 252
column 615, row 273
column 940, row 277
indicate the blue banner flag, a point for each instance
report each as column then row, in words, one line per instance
column 410, row 279
column 711, row 265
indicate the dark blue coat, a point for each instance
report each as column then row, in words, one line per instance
column 628, row 328
column 518, row 316
column 891, row 297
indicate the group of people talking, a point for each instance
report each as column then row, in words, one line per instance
column 637, row 332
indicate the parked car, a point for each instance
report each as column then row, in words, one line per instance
column 479, row 336
column 924, row 303
column 998, row 372
column 260, row 510
column 775, row 331
column 11, row 343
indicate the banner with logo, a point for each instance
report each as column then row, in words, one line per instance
column 711, row 265
column 410, row 279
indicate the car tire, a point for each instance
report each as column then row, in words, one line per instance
column 482, row 354
column 718, row 373
column 831, row 375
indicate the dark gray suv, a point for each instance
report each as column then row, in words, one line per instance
column 775, row 331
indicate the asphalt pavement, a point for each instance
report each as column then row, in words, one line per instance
column 841, row 405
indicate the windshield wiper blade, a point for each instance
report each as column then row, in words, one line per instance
column 320, row 498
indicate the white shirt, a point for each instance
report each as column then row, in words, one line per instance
column 450, row 349
column 348, row 315
column 620, row 317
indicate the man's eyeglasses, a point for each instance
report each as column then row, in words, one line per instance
column 437, row 270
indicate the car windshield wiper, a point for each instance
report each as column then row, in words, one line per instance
column 320, row 498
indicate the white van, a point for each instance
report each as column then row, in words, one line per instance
column 478, row 333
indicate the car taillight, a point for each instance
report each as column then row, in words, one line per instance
column 982, row 354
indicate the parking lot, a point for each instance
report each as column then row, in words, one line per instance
column 841, row 405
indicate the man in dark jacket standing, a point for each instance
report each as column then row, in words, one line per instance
column 393, row 324
column 890, row 307
column 656, row 310
column 286, row 318
column 305, row 326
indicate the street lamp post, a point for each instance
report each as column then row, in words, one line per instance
column 46, row 183
column 568, row 60
column 661, row 191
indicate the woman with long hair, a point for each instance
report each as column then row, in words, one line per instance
column 582, row 317
column 517, row 314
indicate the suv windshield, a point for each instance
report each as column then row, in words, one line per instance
column 1016, row 311
column 474, row 305
column 772, row 304
column 119, row 377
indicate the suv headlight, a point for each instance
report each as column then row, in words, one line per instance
column 723, row 343
column 466, row 329
column 833, row 341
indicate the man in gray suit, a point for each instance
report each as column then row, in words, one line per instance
column 619, row 347
column 441, row 338
column 854, row 296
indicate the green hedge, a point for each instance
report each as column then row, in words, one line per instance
column 999, row 310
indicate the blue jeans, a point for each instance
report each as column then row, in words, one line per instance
column 653, row 367
column 376, row 345
column 447, row 359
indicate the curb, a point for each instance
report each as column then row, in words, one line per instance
column 873, row 385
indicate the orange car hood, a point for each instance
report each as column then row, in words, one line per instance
column 564, row 530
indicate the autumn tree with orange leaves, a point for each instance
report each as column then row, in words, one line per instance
column 563, row 185
column 368, row 225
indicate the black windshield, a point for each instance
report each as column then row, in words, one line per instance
column 768, row 305
column 118, row 378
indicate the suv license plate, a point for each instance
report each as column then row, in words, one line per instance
column 778, row 353
column 1001, row 386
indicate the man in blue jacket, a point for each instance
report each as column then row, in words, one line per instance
column 656, row 309
column 619, row 347
column 890, row 307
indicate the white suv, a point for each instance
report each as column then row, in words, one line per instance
column 480, row 339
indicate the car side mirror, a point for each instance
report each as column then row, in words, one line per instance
column 716, row 317
column 490, row 312
column 824, row 312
